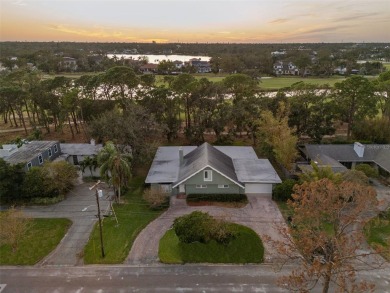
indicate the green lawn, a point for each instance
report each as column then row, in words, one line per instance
column 133, row 216
column 245, row 248
column 43, row 237
column 378, row 233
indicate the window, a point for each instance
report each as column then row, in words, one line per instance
column 208, row 175
column 201, row 186
column 29, row 165
column 55, row 148
column 223, row 186
column 40, row 159
column 49, row 151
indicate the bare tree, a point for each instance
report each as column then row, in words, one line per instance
column 327, row 232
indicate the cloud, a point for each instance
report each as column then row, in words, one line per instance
column 280, row 20
column 356, row 16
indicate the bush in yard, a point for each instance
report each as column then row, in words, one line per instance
column 38, row 183
column 284, row 190
column 156, row 198
column 201, row 227
column 368, row 170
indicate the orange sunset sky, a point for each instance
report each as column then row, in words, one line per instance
column 195, row 21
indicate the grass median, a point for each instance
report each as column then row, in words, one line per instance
column 377, row 232
column 41, row 238
column 133, row 215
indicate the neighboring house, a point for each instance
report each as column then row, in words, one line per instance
column 179, row 64
column 211, row 169
column 200, row 66
column 342, row 156
column 340, row 70
column 75, row 153
column 148, row 68
column 68, row 63
column 285, row 68
column 34, row 153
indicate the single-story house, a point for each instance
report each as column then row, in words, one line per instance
column 208, row 169
column 75, row 153
column 34, row 153
column 342, row 156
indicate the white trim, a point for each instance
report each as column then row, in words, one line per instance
column 201, row 186
column 223, row 185
column 40, row 161
column 185, row 179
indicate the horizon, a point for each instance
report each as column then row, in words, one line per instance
column 189, row 21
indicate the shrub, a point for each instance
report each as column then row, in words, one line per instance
column 157, row 199
column 284, row 190
column 368, row 170
column 201, row 227
column 217, row 197
column 193, row 227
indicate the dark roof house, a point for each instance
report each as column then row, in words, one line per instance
column 339, row 156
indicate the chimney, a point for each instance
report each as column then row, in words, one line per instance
column 359, row 149
column 93, row 141
column 181, row 155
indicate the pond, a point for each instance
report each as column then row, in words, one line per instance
column 155, row 59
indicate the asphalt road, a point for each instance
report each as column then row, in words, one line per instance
column 161, row 278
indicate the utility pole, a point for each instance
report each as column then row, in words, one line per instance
column 100, row 220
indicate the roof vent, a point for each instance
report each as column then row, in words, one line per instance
column 359, row 149
column 181, row 155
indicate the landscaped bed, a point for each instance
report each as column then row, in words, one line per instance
column 204, row 239
column 40, row 239
column 222, row 200
column 133, row 216
column 377, row 232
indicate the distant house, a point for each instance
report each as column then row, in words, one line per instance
column 179, row 64
column 68, row 63
column 149, row 68
column 211, row 169
column 199, row 65
column 285, row 68
column 278, row 53
column 75, row 153
column 340, row 70
column 34, row 153
column 342, row 156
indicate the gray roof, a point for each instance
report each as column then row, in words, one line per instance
column 238, row 163
column 165, row 166
column 258, row 170
column 80, row 149
column 29, row 151
column 376, row 153
column 207, row 156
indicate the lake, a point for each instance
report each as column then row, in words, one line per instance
column 155, row 59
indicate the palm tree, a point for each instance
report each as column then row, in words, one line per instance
column 115, row 167
column 90, row 163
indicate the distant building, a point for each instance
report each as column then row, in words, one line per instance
column 278, row 53
column 285, row 68
column 149, row 68
column 199, row 65
column 68, row 64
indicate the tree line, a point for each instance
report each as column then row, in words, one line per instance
column 136, row 110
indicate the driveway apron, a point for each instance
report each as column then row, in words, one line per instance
column 80, row 207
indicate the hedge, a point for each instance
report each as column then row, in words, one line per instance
column 217, row 197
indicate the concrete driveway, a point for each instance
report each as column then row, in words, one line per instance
column 81, row 208
column 261, row 214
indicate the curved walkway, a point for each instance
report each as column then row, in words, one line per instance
column 261, row 214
